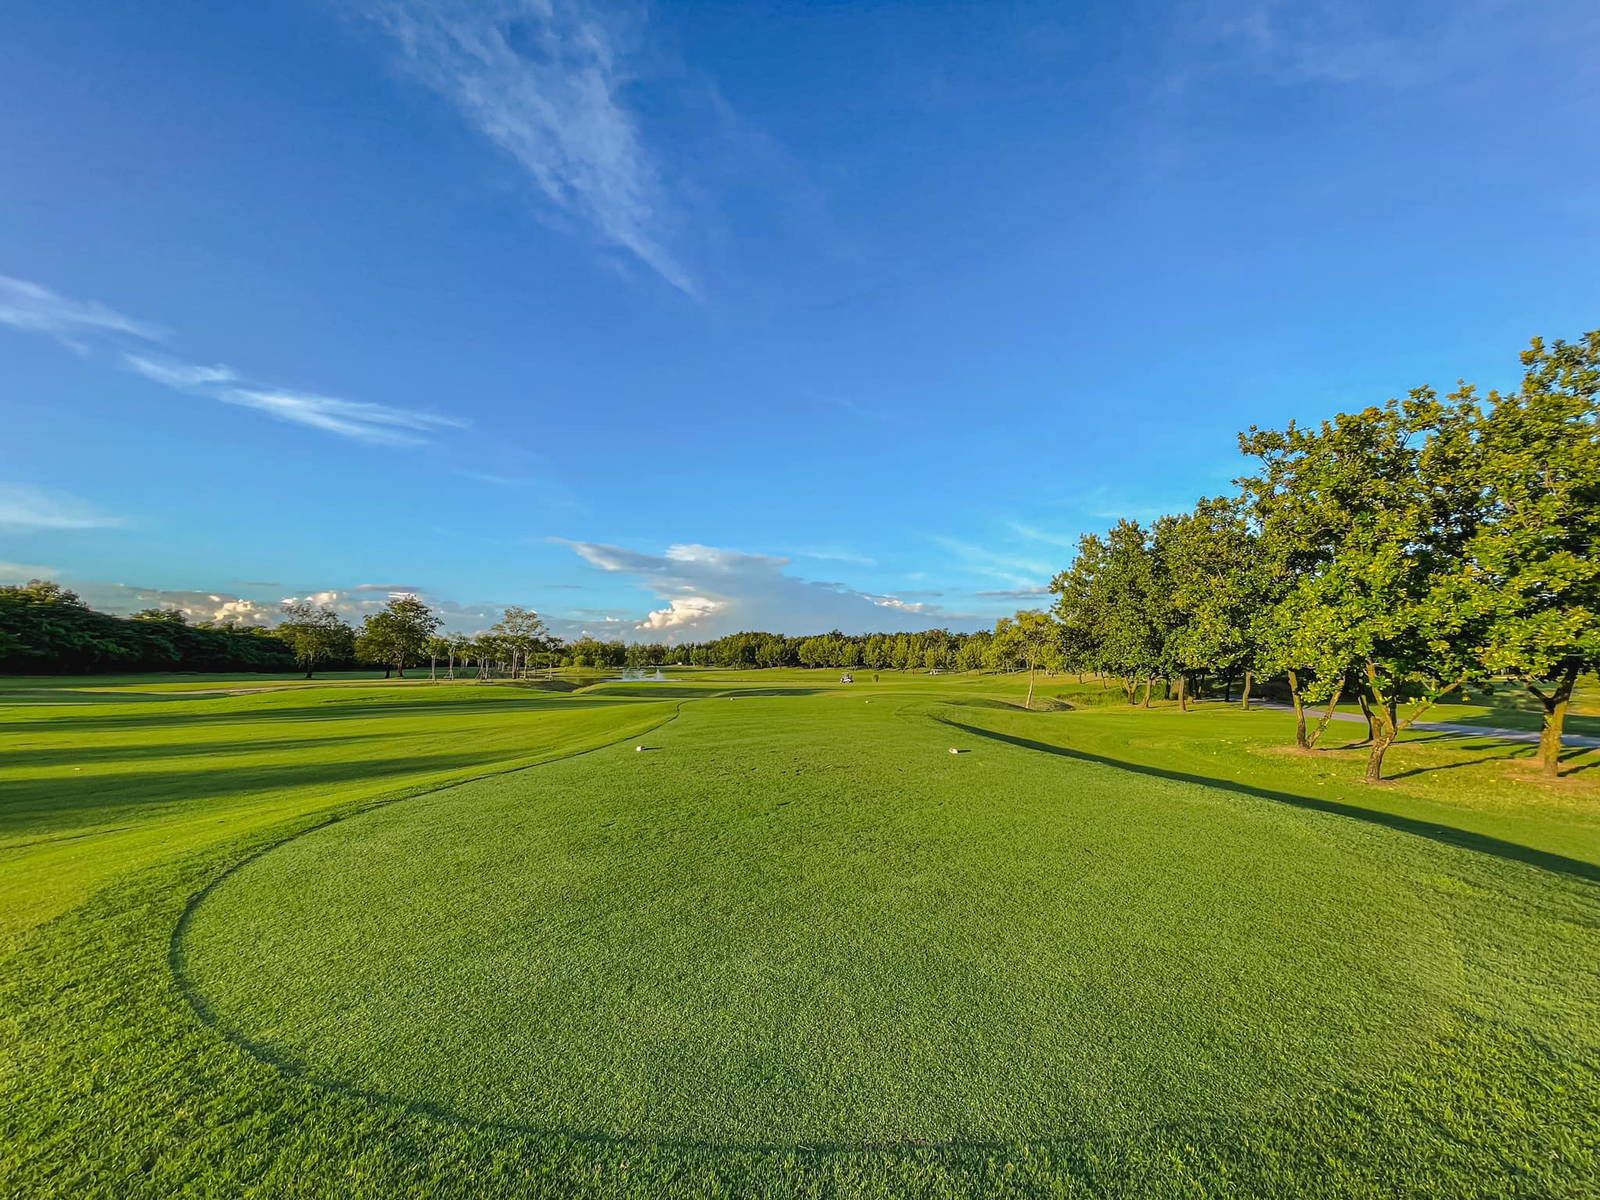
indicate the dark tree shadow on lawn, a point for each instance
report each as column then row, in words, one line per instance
column 79, row 697
column 1569, row 760
column 1512, row 756
column 58, row 806
column 74, row 756
column 1444, row 834
column 322, row 710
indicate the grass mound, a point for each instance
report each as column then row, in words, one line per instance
column 805, row 924
column 335, row 941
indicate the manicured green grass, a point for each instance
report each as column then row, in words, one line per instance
column 796, row 947
column 100, row 786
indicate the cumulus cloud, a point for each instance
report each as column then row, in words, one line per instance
column 357, row 601
column 544, row 81
column 34, row 308
column 683, row 612
column 25, row 509
column 707, row 591
column 263, row 609
column 121, row 599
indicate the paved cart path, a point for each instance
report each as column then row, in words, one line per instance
column 1510, row 735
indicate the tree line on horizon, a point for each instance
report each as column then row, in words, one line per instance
column 1388, row 558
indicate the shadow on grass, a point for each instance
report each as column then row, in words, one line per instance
column 78, row 756
column 74, row 698
column 1512, row 756
column 1570, row 764
column 325, row 709
column 61, row 805
column 1443, row 834
column 653, row 691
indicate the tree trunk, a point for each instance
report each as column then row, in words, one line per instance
column 1227, row 688
column 1149, row 683
column 1029, row 702
column 1555, row 720
column 1333, row 707
column 1383, row 738
column 1366, row 711
column 1244, row 700
column 400, row 669
column 433, row 668
column 1183, row 693
column 1299, row 712
column 1386, row 728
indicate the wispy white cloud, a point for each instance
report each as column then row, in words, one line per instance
column 1105, row 503
column 376, row 424
column 544, row 80
column 11, row 572
column 1016, row 569
column 1034, row 534
column 507, row 481
column 1370, row 43
column 835, row 554
column 26, row 509
column 363, row 421
column 846, row 404
column 1027, row 593
column 34, row 308
column 172, row 373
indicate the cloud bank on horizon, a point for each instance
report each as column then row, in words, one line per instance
column 704, row 592
column 708, row 592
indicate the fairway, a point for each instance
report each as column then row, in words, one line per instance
column 796, row 925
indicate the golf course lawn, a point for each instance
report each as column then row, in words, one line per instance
column 381, row 939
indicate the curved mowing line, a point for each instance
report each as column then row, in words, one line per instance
column 175, row 956
column 894, row 1149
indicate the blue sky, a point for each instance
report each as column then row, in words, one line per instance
column 680, row 319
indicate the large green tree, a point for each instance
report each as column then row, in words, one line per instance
column 522, row 635
column 316, row 634
column 1114, row 608
column 1031, row 639
column 1373, row 511
column 1534, row 575
column 397, row 636
column 1212, row 563
column 45, row 627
